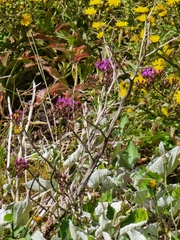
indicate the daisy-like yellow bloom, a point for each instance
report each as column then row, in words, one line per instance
column 94, row 2
column 26, row 19
column 134, row 38
column 164, row 111
column 142, row 17
column 173, row 79
column 159, row 64
column 152, row 184
column 139, row 80
column 161, row 9
column 123, row 87
column 151, row 19
column 172, row 2
column 142, row 33
column 140, row 9
column 166, row 50
column 98, row 25
column 90, row 11
column 100, row 35
column 121, row 24
column 114, row 3
column 154, row 38
column 177, row 96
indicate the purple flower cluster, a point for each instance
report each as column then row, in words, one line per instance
column 17, row 116
column 67, row 108
column 20, row 165
column 104, row 65
column 149, row 73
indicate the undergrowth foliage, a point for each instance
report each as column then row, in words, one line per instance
column 89, row 133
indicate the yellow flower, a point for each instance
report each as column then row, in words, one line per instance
column 161, row 9
column 100, row 34
column 159, row 64
column 121, row 24
column 140, row 9
column 94, row 2
column 177, row 97
column 142, row 33
column 166, row 50
column 98, row 25
column 142, row 17
column 17, row 129
column 139, row 80
column 173, row 79
column 38, row 219
column 90, row 11
column 123, row 87
column 154, row 38
column 135, row 38
column 152, row 183
column 164, row 111
column 26, row 19
column 172, row 2
column 114, row 3
column 162, row 14
column 151, row 19
column 129, row 110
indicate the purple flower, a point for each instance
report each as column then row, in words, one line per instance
column 104, row 65
column 67, row 108
column 149, row 73
column 17, row 116
column 20, row 165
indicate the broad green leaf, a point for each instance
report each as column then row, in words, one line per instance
column 110, row 212
column 165, row 202
column 21, row 212
column 109, row 183
column 150, row 231
column 130, row 155
column 136, row 216
column 167, row 163
column 98, row 177
column 39, row 185
column 140, row 196
column 123, row 121
column 74, row 157
column 175, row 193
column 37, row 236
column 135, row 235
column 8, row 217
column 104, row 225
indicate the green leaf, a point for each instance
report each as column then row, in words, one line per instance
column 123, row 121
column 98, row 177
column 130, row 155
column 140, row 196
column 8, row 217
column 136, row 216
column 106, row 197
column 21, row 212
column 110, row 212
column 165, row 164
